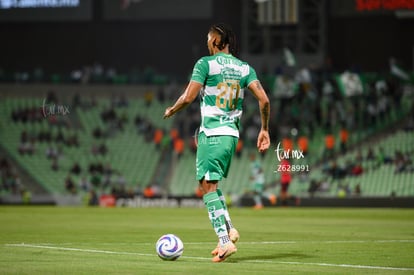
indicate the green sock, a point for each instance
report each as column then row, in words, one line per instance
column 216, row 215
column 229, row 225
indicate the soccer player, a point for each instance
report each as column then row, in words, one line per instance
column 220, row 79
column 257, row 179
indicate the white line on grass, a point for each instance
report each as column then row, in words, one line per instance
column 340, row 265
column 258, row 243
column 305, row 242
column 77, row 249
column 202, row 258
column 330, row 242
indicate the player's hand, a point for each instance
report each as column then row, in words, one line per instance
column 168, row 113
column 263, row 141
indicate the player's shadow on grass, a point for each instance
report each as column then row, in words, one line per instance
column 275, row 256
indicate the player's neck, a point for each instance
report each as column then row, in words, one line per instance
column 221, row 52
column 224, row 51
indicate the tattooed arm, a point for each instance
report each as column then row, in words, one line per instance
column 263, row 140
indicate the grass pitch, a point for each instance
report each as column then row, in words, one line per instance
column 57, row 240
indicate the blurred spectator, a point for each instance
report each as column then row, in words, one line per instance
column 192, row 143
column 70, row 185
column 124, row 118
column 358, row 156
column 370, row 154
column 96, row 179
column 166, row 142
column 179, row 147
column 51, row 97
column 84, row 184
column 257, row 180
column 138, row 122
column 343, row 138
column 313, row 187
column 382, row 157
column 60, row 138
column 111, row 74
column 55, row 164
column 158, row 136
column 51, row 152
column 106, row 180
column 9, row 178
column 343, row 190
column 149, row 191
column 97, row 132
column 287, row 144
column 303, row 144
column 120, row 180
column 148, row 97
column 161, row 94
column 96, row 167
column 93, row 198
column 94, row 149
column 409, row 126
column 108, row 114
column 73, row 140
column 239, row 148
column 107, row 169
column 76, row 169
column 103, row 149
column 44, row 135
column 174, row 133
column 402, row 163
column 357, row 190
column 27, row 147
column 38, row 74
column 97, row 73
column 26, row 196
column 357, row 170
column 335, row 171
column 285, row 179
column 329, row 145
column 76, row 101
column 24, row 137
column 123, row 101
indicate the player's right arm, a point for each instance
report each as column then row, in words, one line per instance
column 190, row 93
column 198, row 77
column 263, row 140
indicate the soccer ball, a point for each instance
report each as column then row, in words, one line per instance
column 169, row 247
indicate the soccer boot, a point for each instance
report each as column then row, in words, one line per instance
column 234, row 237
column 224, row 252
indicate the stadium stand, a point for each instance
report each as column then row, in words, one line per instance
column 123, row 127
column 130, row 154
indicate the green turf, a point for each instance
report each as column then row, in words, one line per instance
column 57, row 240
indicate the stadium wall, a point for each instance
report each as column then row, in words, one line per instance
column 193, row 202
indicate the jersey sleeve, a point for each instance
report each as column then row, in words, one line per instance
column 200, row 71
column 251, row 76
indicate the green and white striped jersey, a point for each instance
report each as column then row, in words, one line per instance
column 224, row 78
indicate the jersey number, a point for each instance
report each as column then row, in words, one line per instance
column 233, row 90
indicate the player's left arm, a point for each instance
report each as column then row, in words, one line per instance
column 190, row 93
